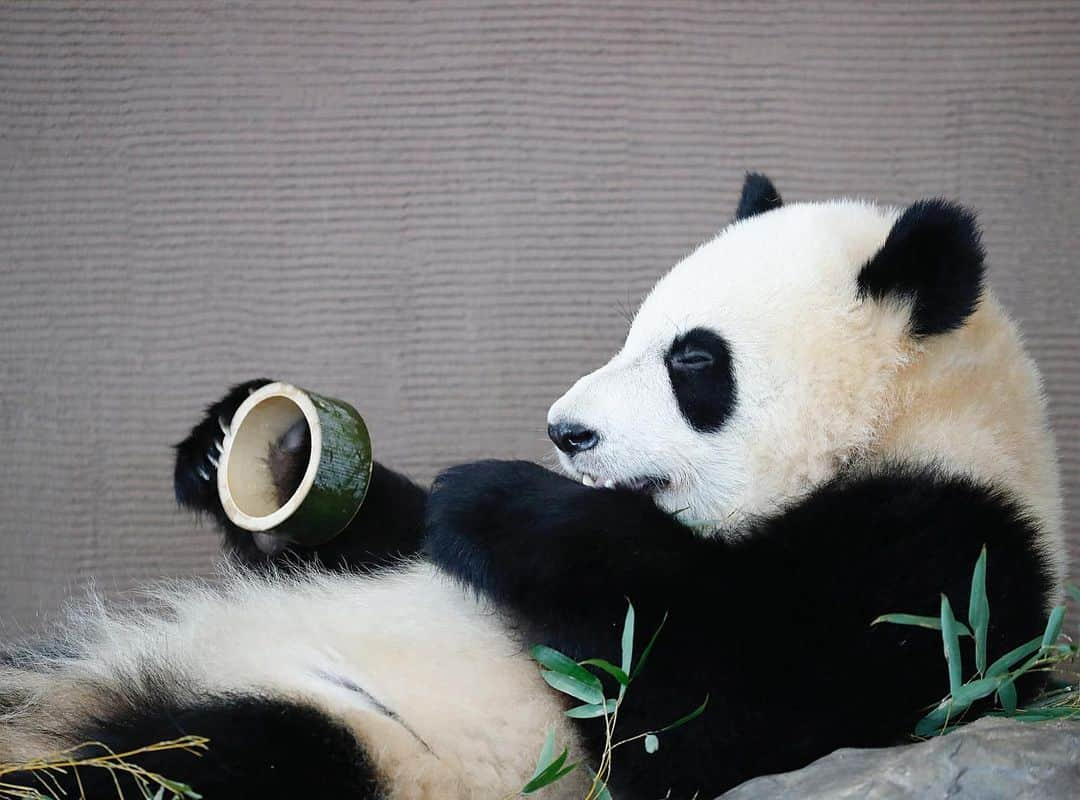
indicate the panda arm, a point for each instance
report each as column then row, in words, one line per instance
column 388, row 525
column 556, row 552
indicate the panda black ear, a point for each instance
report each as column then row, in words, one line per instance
column 934, row 257
column 758, row 196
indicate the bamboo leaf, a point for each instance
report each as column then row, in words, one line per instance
column 563, row 665
column 955, row 704
column 971, row 691
column 567, row 684
column 933, row 623
column 934, row 722
column 609, row 668
column 601, row 791
column 1006, row 697
column 1074, row 591
column 951, row 640
column 1009, row 678
column 652, row 743
column 628, row 638
column 979, row 611
column 648, row 648
column 180, row 789
column 590, row 710
column 1006, row 662
column 551, row 773
column 1053, row 626
column 697, row 712
column 547, row 752
column 564, row 772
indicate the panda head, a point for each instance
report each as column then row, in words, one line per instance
column 772, row 358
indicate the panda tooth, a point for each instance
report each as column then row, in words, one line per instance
column 609, row 484
column 588, row 480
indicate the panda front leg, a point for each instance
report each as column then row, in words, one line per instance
column 563, row 559
column 388, row 526
column 562, row 556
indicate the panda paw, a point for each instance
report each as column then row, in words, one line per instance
column 195, row 475
column 484, row 494
column 486, row 514
column 548, row 546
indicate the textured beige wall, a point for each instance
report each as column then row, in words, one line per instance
column 441, row 211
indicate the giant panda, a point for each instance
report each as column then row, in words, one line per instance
column 819, row 416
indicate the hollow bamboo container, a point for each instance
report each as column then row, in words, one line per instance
column 334, row 483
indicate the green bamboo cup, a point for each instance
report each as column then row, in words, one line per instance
column 334, row 483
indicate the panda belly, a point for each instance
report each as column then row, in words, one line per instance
column 435, row 687
column 432, row 682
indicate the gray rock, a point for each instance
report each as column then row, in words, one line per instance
column 989, row 759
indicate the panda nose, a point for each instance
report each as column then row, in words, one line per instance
column 572, row 438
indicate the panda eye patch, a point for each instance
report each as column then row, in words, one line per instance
column 702, row 377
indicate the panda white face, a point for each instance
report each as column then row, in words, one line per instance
column 753, row 371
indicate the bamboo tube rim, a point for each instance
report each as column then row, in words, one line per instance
column 235, row 496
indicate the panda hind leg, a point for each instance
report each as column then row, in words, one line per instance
column 258, row 747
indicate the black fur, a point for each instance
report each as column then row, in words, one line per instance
column 934, row 256
column 758, row 196
column 774, row 626
column 259, row 748
column 388, row 526
column 699, row 365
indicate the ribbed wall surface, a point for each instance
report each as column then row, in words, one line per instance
column 441, row 211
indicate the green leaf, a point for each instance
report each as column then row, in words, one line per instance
column 1006, row 697
column 979, row 611
column 563, row 665
column 159, row 794
column 1017, row 654
column 955, row 704
column 609, row 668
column 601, row 792
column 934, row 723
column 551, row 773
column 1074, row 591
column 567, row 684
column 951, row 640
column 564, row 772
column 628, row 638
column 922, row 622
column 1006, row 693
column 697, row 712
column 648, row 648
column 590, row 710
column 547, row 752
column 971, row 691
column 180, row 789
column 1053, row 626
column 652, row 743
